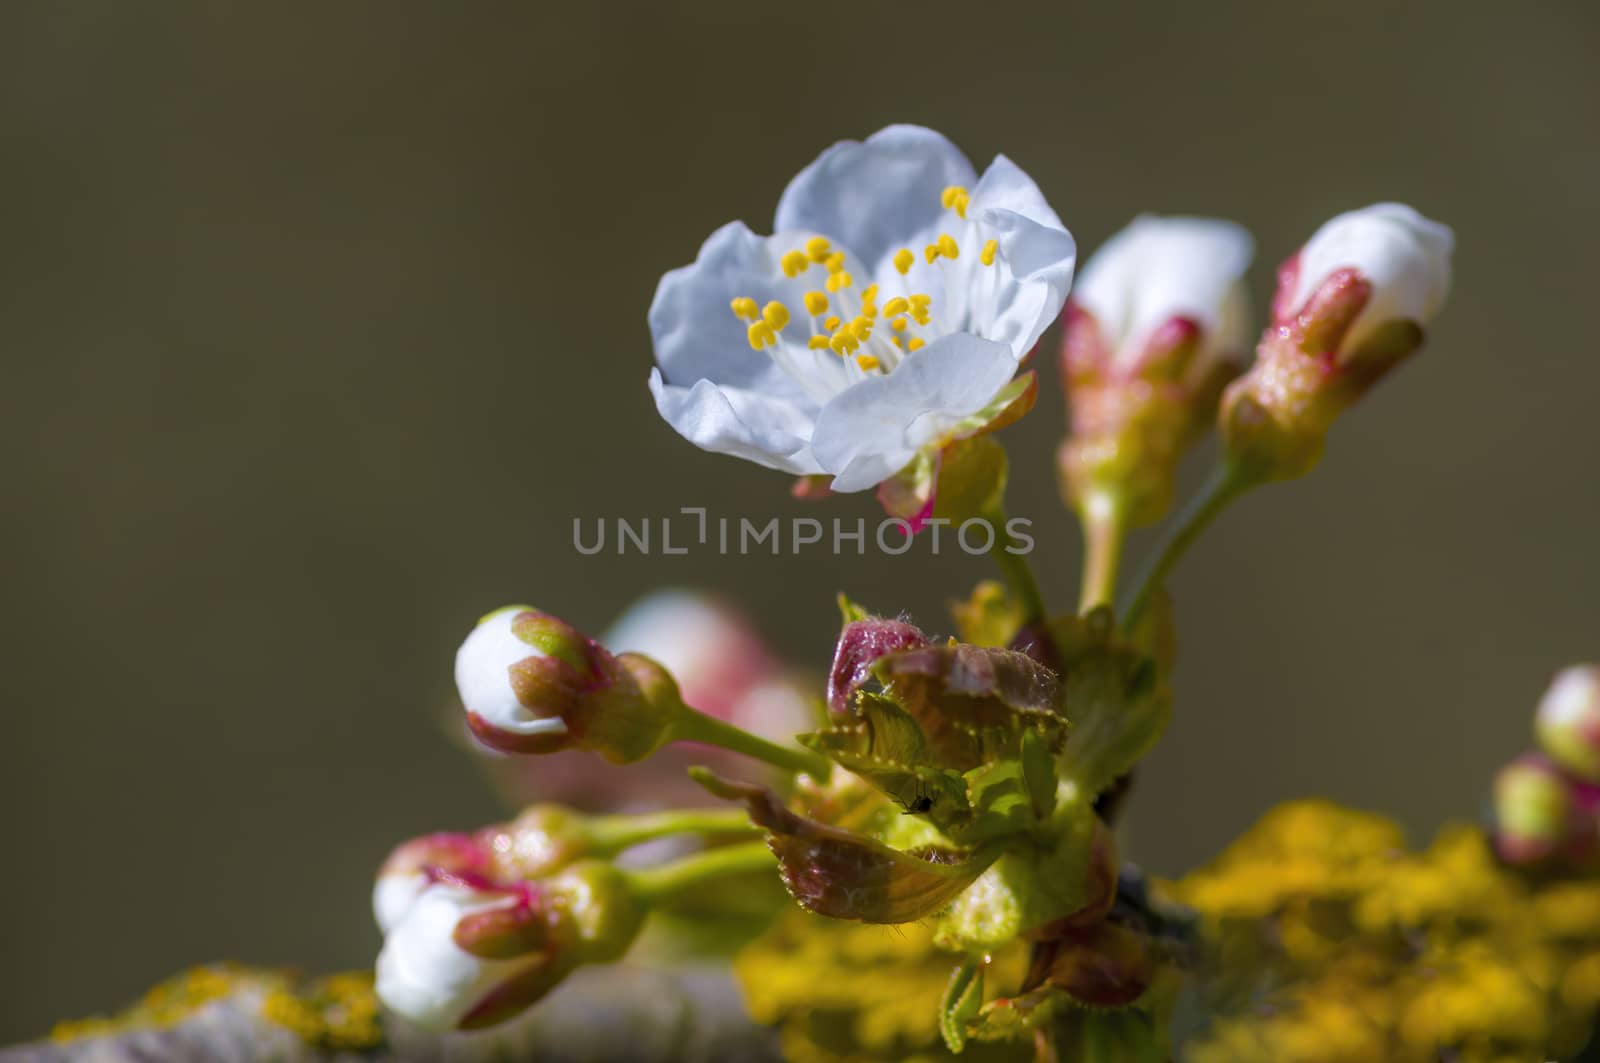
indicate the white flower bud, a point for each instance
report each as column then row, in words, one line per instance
column 1402, row 255
column 483, row 676
column 1568, row 721
column 1158, row 269
column 424, row 976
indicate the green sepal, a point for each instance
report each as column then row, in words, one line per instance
column 963, row 997
column 850, row 611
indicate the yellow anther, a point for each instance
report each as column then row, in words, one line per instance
column 930, row 253
column 794, row 263
column 869, row 294
column 817, row 343
column 818, row 248
column 867, row 362
column 843, row 342
column 762, row 335
column 745, row 307
column 898, row 324
column 862, row 327
column 919, row 308
column 955, row 198
column 775, row 314
column 903, row 259
column 948, row 246
column 986, row 256
column 915, row 343
column 816, row 303
column 842, row 279
column 898, row 342
column 898, row 305
column 832, row 324
column 834, row 262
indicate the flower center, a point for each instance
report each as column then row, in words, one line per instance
column 844, row 321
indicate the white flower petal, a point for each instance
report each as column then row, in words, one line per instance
column 774, row 432
column 871, row 431
column 1039, row 262
column 483, row 678
column 1405, row 257
column 874, row 195
column 423, row 975
column 393, row 895
column 1158, row 268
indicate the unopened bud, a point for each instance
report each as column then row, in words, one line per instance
column 412, row 865
column 1536, row 816
column 1156, row 326
column 472, row 951
column 1568, row 721
column 1350, row 307
column 532, row 683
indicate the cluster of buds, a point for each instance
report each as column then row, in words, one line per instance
column 467, row 945
column 1547, row 803
column 1350, row 306
column 1156, row 326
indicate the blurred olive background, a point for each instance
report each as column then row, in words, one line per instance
column 321, row 324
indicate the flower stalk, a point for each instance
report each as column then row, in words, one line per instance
column 692, row 725
column 1227, row 482
column 658, row 885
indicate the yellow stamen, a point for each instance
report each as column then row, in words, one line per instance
column 955, row 198
column 898, row 324
column 842, row 279
column 898, row 305
column 762, row 335
column 903, row 259
column 818, row 248
column 919, row 308
column 930, row 253
column 986, row 256
column 817, row 343
column 948, row 246
column 862, row 327
column 834, row 262
column 816, row 303
column 843, row 342
column 745, row 307
column 794, row 263
column 775, row 314
column 867, row 362
column 832, row 324
column 915, row 343
column 898, row 342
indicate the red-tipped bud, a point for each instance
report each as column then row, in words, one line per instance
column 1350, row 307
column 1155, row 328
column 1537, row 815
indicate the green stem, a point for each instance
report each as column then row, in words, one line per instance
column 695, row 726
column 1104, row 532
column 655, row 885
column 610, row 835
column 1228, row 481
column 1014, row 566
